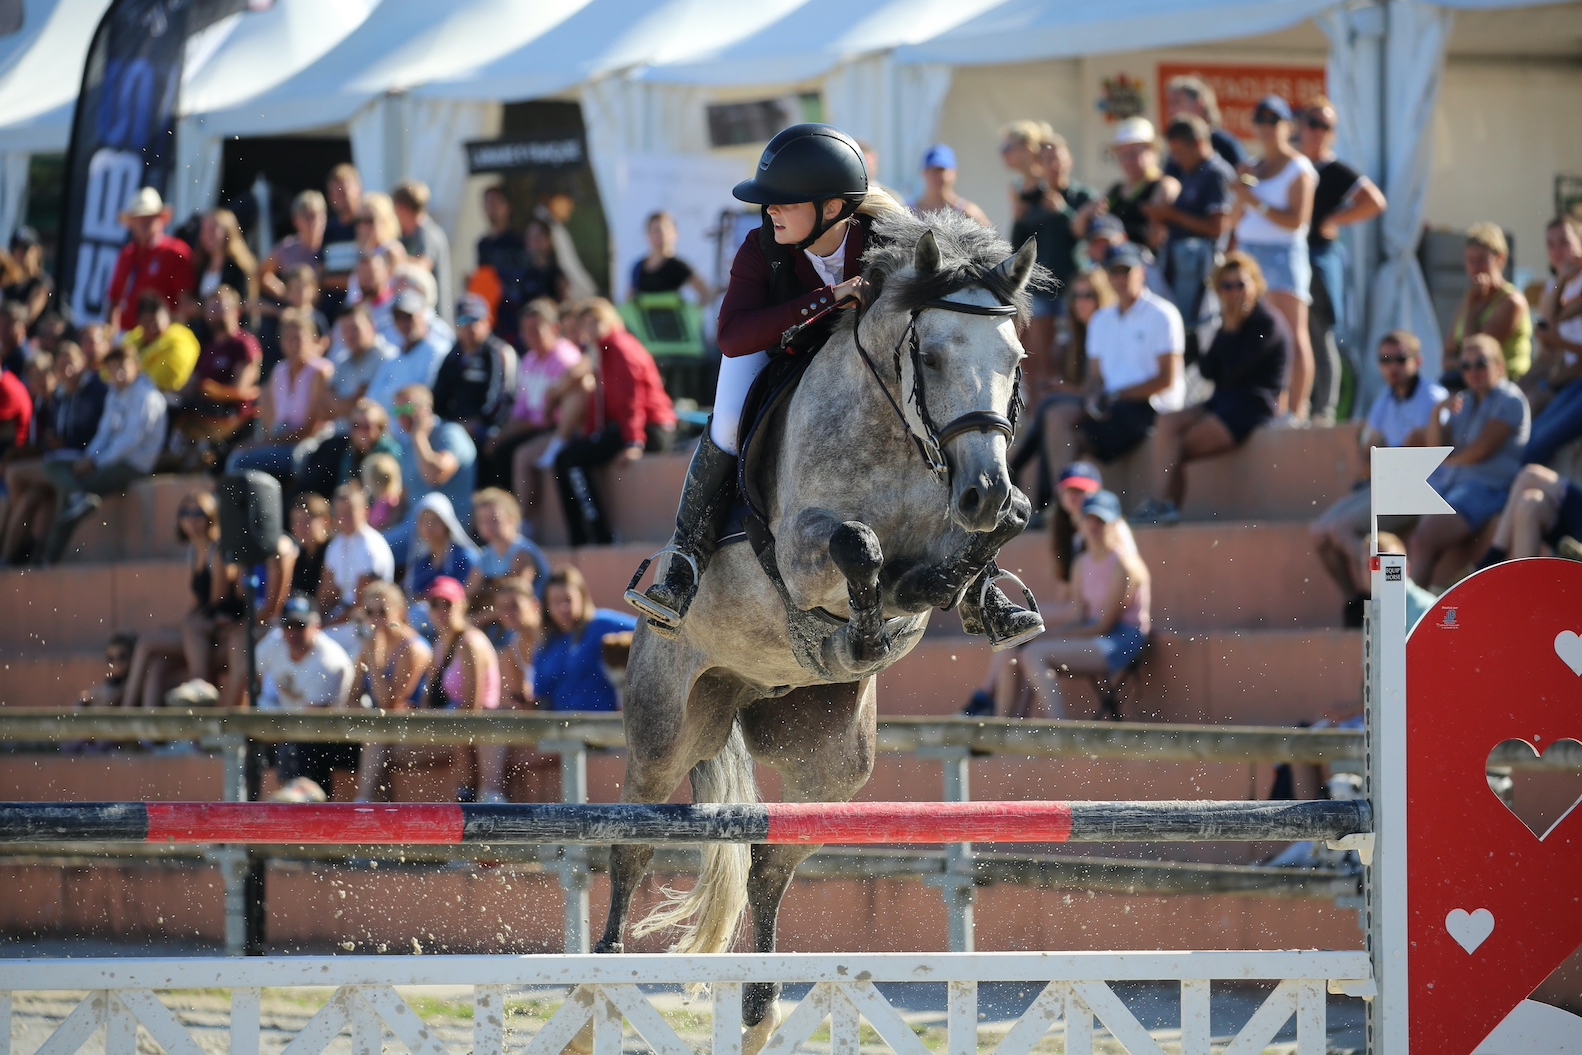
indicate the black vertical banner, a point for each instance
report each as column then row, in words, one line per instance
column 122, row 138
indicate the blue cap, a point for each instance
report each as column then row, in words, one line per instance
column 472, row 308
column 1106, row 226
column 1125, row 255
column 299, row 612
column 1084, row 476
column 1275, row 105
column 1104, row 505
column 940, row 156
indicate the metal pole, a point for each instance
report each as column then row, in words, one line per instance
column 232, row 859
column 572, row 861
column 956, row 884
column 1385, row 886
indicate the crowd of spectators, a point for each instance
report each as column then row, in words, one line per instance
column 417, row 417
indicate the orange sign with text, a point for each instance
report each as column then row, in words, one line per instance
column 1240, row 87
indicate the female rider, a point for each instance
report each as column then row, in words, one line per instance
column 802, row 263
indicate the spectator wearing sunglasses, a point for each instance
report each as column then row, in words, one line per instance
column 1488, row 425
column 1341, row 198
column 1276, row 198
column 1246, row 362
column 1399, row 418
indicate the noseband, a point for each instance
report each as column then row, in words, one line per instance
column 931, row 444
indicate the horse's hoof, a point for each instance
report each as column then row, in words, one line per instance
column 755, row 1037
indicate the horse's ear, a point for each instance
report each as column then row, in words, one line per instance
column 925, row 258
column 1016, row 271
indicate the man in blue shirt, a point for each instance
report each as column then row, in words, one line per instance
column 435, row 456
column 1199, row 218
column 421, row 352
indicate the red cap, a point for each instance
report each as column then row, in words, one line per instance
column 445, row 588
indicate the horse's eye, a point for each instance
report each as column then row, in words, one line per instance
column 930, row 359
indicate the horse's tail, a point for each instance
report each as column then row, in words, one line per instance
column 708, row 916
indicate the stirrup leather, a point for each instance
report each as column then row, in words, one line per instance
column 659, row 614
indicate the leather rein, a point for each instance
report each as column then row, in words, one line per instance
column 931, row 444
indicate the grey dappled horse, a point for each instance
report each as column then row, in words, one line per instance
column 865, row 530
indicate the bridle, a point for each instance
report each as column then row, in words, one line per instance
column 931, row 444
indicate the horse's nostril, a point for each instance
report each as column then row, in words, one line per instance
column 971, row 499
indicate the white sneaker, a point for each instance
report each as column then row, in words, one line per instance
column 194, row 693
column 302, row 789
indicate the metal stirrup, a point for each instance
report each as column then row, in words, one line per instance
column 983, row 591
column 643, row 603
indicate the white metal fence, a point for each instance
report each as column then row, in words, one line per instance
column 608, row 992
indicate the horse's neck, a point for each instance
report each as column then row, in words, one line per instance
column 850, row 398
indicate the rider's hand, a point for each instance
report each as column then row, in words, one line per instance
column 851, row 293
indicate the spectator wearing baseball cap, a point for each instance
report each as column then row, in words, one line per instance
column 1276, row 207
column 1003, row 688
column 1142, row 182
column 939, row 187
column 301, row 669
column 150, row 262
column 1135, row 349
column 476, row 383
column 1107, row 620
column 419, row 353
column 27, row 283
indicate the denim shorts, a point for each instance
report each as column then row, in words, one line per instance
column 1285, row 266
column 1121, row 646
column 1475, row 503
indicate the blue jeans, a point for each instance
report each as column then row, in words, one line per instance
column 1329, row 267
column 1191, row 261
column 283, row 461
column 1558, row 425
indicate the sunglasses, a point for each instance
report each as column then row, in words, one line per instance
column 375, row 611
column 1266, row 118
column 1394, row 360
column 1232, row 287
column 405, row 410
column 1084, row 294
column 1474, row 364
column 190, row 512
column 1318, row 124
column 439, row 602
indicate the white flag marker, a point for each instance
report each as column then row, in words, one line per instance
column 1400, row 484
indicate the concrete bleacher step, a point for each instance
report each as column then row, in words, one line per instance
column 78, row 606
column 137, row 525
column 1239, row 677
column 1279, row 474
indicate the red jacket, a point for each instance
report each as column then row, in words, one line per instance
column 164, row 267
column 751, row 320
column 631, row 394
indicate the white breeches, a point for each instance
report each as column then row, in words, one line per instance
column 736, row 378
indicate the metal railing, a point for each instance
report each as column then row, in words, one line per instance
column 952, row 742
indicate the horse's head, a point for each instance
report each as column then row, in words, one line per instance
column 957, row 302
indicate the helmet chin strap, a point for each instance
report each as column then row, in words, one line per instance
column 822, row 226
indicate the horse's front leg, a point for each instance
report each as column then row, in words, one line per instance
column 863, row 643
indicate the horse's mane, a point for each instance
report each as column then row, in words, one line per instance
column 968, row 255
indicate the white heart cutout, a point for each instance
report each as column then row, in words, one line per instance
column 1470, row 929
column 1568, row 646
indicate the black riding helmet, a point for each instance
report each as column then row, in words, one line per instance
column 813, row 163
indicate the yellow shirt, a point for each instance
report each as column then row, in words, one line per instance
column 169, row 360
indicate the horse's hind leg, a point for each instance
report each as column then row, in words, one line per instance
column 821, row 742
column 665, row 737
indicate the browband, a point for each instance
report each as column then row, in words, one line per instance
column 971, row 309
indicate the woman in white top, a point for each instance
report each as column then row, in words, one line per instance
column 1276, row 207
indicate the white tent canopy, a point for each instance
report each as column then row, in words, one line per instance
column 815, row 38
column 1032, row 30
column 237, row 59
column 409, row 43
column 38, row 88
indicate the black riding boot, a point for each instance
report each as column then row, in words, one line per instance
column 705, row 507
column 986, row 610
